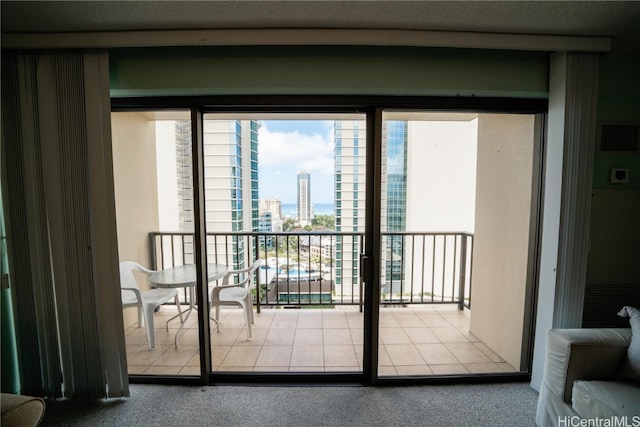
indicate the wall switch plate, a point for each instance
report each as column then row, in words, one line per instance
column 619, row 176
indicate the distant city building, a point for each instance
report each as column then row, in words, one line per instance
column 274, row 207
column 231, row 151
column 317, row 246
column 230, row 175
column 266, row 222
column 175, row 175
column 266, row 226
column 231, row 203
column 305, row 211
column 393, row 217
column 349, row 199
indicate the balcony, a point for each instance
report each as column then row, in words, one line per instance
column 309, row 307
column 414, row 340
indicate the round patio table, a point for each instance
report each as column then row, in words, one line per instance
column 184, row 276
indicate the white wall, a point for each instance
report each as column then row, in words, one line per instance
column 441, row 175
column 501, row 242
column 441, row 187
column 134, row 171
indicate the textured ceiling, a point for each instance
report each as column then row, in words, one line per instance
column 617, row 19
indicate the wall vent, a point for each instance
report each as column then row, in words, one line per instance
column 619, row 138
column 603, row 302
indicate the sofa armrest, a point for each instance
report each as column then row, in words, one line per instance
column 20, row 410
column 586, row 354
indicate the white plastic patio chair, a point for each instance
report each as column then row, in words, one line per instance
column 235, row 294
column 145, row 301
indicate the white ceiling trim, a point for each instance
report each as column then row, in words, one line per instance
column 305, row 37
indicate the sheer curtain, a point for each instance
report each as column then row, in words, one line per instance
column 61, row 229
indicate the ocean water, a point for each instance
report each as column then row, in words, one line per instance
column 291, row 209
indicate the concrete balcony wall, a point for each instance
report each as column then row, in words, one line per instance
column 135, row 183
column 503, row 205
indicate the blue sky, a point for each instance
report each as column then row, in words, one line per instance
column 286, row 147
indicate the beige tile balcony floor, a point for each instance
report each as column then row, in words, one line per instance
column 414, row 340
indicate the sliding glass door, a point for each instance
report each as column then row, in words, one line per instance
column 288, row 191
column 354, row 244
column 153, row 174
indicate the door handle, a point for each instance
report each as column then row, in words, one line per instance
column 364, row 265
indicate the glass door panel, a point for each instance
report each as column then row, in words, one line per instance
column 456, row 193
column 287, row 190
column 153, row 183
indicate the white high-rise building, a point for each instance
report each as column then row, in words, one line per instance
column 350, row 196
column 350, row 192
column 173, row 178
column 231, row 199
column 305, row 211
column 231, row 182
column 428, row 184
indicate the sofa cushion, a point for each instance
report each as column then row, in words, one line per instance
column 631, row 367
column 605, row 399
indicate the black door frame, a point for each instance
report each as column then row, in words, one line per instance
column 372, row 107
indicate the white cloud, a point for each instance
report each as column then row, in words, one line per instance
column 294, row 150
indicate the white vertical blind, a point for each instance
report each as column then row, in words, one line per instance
column 573, row 81
column 63, row 247
column 29, row 252
column 97, row 104
column 579, row 118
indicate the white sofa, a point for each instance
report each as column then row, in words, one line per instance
column 581, row 377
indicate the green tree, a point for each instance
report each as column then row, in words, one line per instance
column 323, row 221
column 288, row 224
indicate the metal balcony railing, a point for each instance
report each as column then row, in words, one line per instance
column 323, row 268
